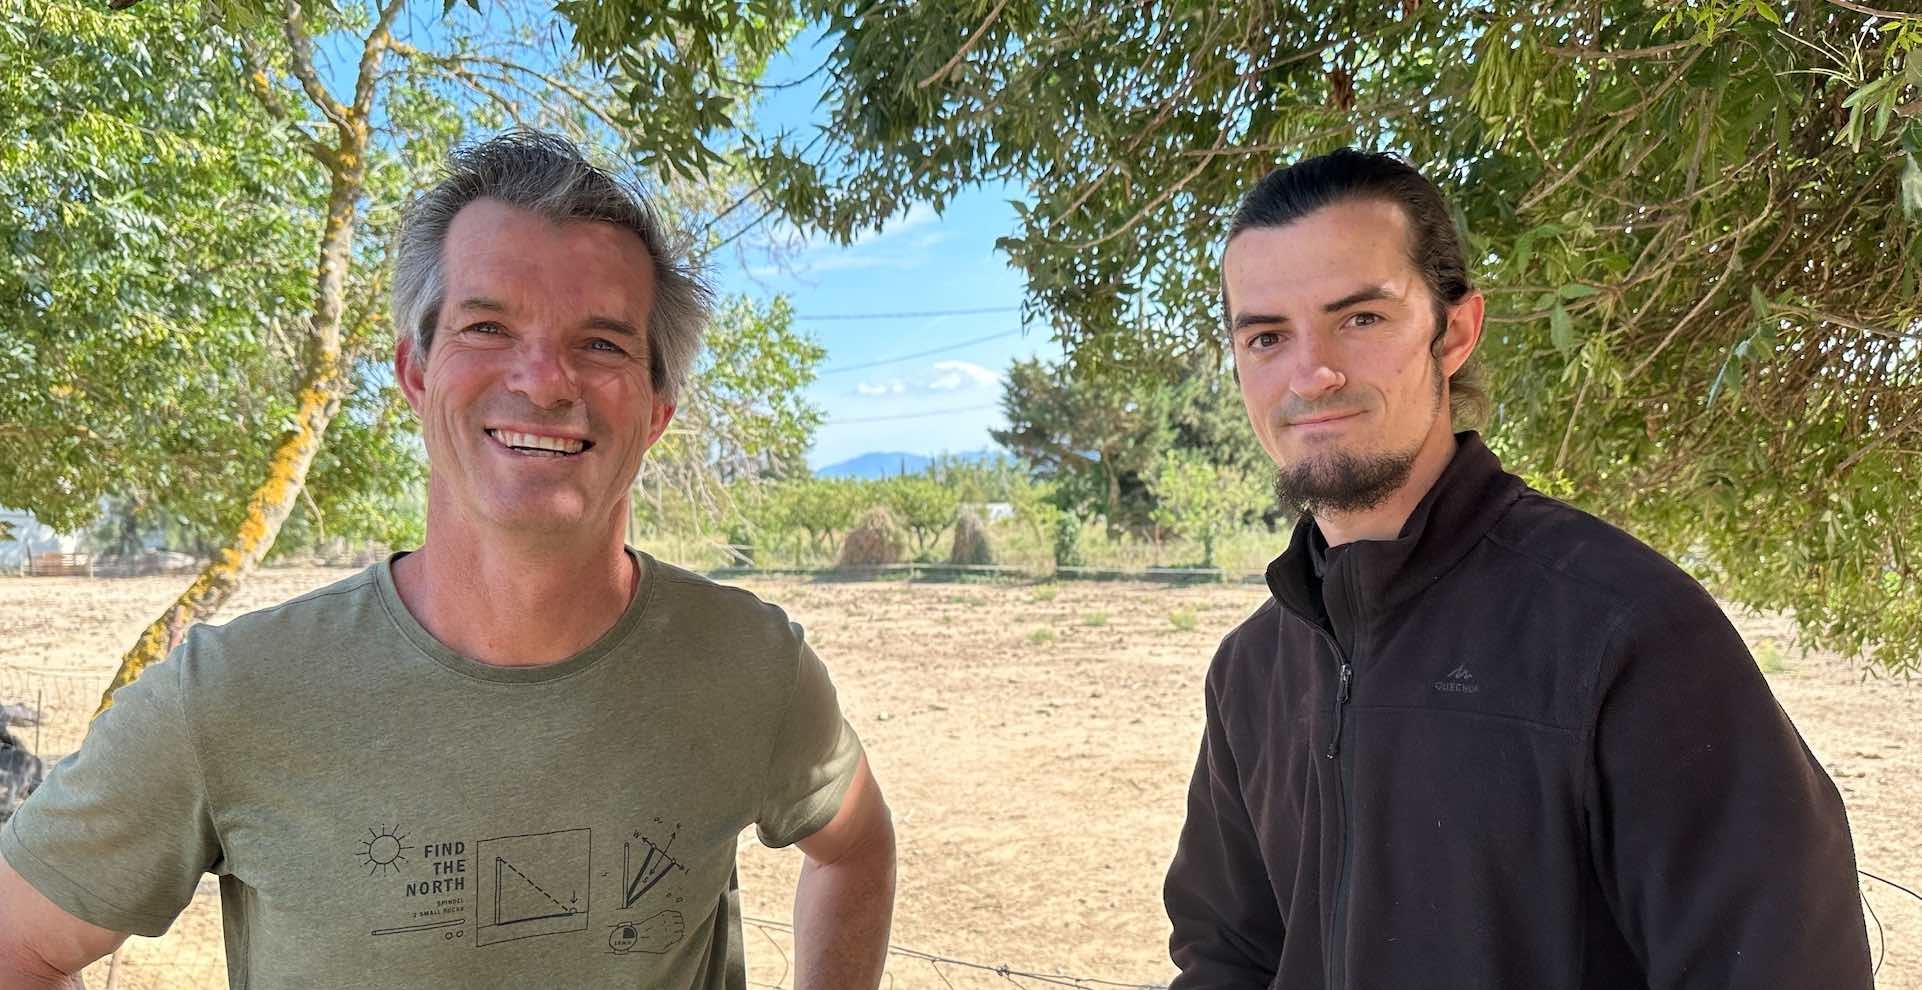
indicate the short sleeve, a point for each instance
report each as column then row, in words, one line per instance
column 816, row 753
column 119, row 834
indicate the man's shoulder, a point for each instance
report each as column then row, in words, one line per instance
column 1558, row 542
column 692, row 603
column 324, row 617
column 1254, row 639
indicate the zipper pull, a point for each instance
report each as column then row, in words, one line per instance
column 1341, row 701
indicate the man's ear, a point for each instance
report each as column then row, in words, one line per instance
column 662, row 414
column 1463, row 334
column 410, row 371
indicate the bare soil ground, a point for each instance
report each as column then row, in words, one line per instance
column 1035, row 744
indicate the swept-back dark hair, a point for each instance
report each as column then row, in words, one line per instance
column 1288, row 194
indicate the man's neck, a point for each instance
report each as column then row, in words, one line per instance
column 1385, row 520
column 515, row 606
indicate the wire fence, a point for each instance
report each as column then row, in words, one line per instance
column 778, row 936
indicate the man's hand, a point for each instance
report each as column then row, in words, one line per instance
column 41, row 946
column 845, row 900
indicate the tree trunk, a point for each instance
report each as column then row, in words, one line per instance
column 267, row 510
column 1114, row 497
column 323, row 384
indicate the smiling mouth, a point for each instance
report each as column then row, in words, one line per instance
column 536, row 445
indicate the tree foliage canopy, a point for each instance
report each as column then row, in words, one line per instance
column 1689, row 218
column 153, row 297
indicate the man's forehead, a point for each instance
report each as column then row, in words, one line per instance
column 1331, row 254
column 508, row 257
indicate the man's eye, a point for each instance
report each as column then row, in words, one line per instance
column 1263, row 340
column 606, row 346
column 1365, row 319
column 484, row 327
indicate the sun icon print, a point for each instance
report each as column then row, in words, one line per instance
column 382, row 849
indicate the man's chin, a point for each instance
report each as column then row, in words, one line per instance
column 1341, row 481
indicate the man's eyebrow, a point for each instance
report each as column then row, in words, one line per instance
column 1373, row 293
column 608, row 324
column 1245, row 320
column 482, row 303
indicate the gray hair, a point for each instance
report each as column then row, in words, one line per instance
column 548, row 175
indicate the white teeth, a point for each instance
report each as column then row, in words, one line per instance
column 534, row 441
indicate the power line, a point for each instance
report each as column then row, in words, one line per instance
column 918, row 354
column 907, row 316
column 918, row 415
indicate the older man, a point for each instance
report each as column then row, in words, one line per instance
column 520, row 755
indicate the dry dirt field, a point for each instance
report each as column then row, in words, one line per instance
column 1034, row 742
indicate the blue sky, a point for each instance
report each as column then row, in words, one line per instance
column 893, row 380
column 879, row 386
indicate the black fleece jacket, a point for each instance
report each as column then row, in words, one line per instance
column 1511, row 748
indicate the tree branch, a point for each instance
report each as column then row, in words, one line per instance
column 1623, row 119
column 458, row 65
column 377, row 42
column 1603, row 55
column 262, row 86
column 993, row 15
column 1873, row 12
column 300, row 49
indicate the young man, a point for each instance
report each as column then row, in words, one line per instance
column 520, row 755
column 1477, row 738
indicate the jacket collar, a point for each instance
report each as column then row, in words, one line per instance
column 1456, row 513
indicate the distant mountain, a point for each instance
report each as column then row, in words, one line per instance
column 890, row 463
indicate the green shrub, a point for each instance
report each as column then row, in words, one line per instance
column 1067, row 540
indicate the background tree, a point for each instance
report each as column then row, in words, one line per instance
column 921, row 504
column 1202, row 500
column 1095, row 441
column 1689, row 217
column 742, row 418
column 820, row 507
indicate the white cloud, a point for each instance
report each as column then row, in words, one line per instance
column 950, row 376
column 886, row 246
column 894, row 387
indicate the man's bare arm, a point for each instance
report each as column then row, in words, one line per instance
column 845, row 900
column 41, row 946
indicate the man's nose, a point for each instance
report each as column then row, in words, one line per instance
column 1315, row 374
column 543, row 374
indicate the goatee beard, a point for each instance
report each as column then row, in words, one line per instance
column 1342, row 482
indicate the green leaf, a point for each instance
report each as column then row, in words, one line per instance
column 1561, row 330
column 1577, row 290
column 1729, row 378
column 1911, row 186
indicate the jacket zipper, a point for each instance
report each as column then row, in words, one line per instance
column 1342, row 683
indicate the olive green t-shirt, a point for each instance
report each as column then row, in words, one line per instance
column 382, row 812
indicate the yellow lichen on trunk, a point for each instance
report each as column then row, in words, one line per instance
column 267, row 511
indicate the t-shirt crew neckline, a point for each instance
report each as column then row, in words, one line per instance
column 425, row 642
